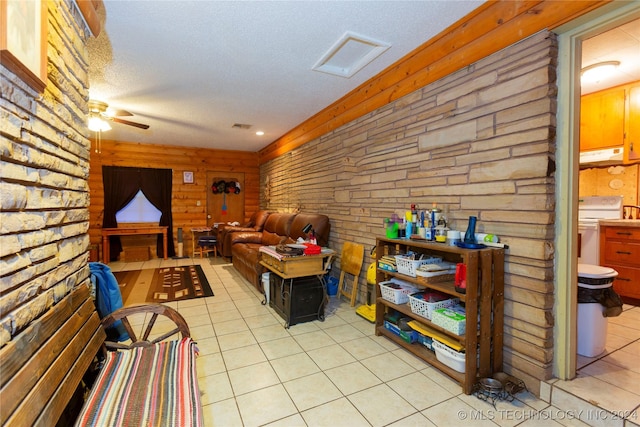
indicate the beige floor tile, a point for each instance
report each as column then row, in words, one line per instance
column 380, row 405
column 230, row 327
column 240, row 339
column 344, row 333
column 313, row 340
column 280, row 348
column 210, row 364
column 337, row 413
column 616, row 375
column 222, row 414
column 331, row 356
column 253, row 377
column 243, row 356
column 294, row 366
column 419, row 390
column 225, row 316
column 363, row 348
column 262, row 320
column 388, row 366
column 270, row 333
column 295, row 420
column 455, row 412
column 202, row 331
column 352, row 378
column 214, row 388
column 301, row 328
column 312, row 390
column 599, row 393
column 415, row 420
column 266, row 405
column 208, row 346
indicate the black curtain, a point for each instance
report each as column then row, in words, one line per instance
column 121, row 184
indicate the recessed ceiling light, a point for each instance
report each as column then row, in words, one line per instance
column 259, row 133
column 350, row 54
column 599, row 71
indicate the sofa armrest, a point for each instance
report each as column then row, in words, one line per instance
column 245, row 237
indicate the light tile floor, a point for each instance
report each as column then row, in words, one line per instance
column 254, row 372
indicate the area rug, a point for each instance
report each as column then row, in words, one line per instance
column 163, row 284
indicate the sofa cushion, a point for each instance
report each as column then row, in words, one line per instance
column 269, row 238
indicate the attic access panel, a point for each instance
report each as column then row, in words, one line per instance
column 350, row 54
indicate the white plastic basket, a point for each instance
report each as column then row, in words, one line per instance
column 453, row 359
column 409, row 266
column 424, row 308
column 396, row 296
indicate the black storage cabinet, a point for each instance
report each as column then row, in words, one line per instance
column 306, row 302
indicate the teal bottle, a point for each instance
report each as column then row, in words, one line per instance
column 470, row 235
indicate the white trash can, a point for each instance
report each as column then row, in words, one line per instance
column 592, row 324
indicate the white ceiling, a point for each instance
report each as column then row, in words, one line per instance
column 193, row 69
column 619, row 44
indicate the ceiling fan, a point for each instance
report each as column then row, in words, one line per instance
column 98, row 115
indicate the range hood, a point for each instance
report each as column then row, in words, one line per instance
column 602, row 157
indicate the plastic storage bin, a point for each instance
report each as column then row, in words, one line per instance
column 396, row 291
column 453, row 359
column 422, row 307
column 409, row 266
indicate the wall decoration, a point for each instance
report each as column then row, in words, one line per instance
column 187, row 177
column 23, row 40
column 225, row 187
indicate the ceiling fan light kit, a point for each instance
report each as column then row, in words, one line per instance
column 99, row 117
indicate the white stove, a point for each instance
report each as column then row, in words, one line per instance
column 590, row 210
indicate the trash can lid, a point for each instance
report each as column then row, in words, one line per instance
column 595, row 276
column 596, row 271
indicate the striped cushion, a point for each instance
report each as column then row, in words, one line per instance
column 152, row 386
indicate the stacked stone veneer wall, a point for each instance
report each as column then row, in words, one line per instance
column 44, row 198
column 478, row 142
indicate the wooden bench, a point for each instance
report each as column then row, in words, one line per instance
column 43, row 366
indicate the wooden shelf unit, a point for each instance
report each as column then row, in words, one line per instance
column 483, row 300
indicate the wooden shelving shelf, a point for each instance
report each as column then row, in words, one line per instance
column 483, row 300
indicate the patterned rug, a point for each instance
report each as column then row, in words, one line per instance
column 163, row 284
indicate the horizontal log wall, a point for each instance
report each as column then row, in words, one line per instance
column 478, row 142
column 185, row 210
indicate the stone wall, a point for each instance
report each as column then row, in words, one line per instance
column 44, row 166
column 477, row 142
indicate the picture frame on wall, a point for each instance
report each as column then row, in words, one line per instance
column 23, row 40
column 187, row 177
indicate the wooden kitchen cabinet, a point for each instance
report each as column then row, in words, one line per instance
column 620, row 250
column 611, row 118
column 632, row 143
column 483, row 300
column 602, row 119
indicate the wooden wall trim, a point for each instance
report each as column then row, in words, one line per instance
column 488, row 29
column 89, row 10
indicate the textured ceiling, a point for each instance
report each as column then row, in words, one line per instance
column 193, row 69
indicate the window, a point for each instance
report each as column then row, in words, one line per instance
column 139, row 209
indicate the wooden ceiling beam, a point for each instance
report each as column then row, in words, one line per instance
column 486, row 30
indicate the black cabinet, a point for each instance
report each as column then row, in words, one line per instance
column 297, row 300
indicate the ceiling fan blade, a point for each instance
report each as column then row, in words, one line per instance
column 130, row 123
column 120, row 113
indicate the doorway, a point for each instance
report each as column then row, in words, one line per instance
column 567, row 179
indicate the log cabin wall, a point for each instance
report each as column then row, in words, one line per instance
column 477, row 142
column 186, row 197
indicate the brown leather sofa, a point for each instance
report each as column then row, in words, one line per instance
column 255, row 223
column 278, row 228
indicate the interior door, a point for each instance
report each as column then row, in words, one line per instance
column 225, row 206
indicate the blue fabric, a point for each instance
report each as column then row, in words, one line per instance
column 108, row 297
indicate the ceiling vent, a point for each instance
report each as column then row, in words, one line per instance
column 241, row 126
column 350, row 54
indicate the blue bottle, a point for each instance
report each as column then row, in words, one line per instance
column 409, row 230
column 470, row 235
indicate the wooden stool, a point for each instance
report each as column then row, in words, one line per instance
column 208, row 244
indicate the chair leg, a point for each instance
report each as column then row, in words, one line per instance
column 354, row 291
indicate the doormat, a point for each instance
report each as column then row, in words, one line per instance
column 163, row 284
